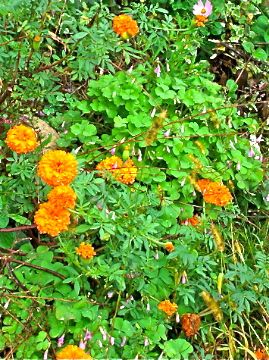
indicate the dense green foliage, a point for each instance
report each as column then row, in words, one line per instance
column 184, row 103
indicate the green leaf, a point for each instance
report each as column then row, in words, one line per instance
column 82, row 228
column 80, row 35
column 3, row 220
column 66, row 311
column 41, row 336
column 232, row 86
column 7, row 239
column 20, row 219
column 124, row 326
column 260, row 54
column 178, row 348
column 248, row 46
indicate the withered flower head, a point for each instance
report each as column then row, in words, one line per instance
column 190, row 324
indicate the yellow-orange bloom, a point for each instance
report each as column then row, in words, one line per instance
column 72, row 352
column 261, row 354
column 214, row 192
column 193, row 221
column 217, row 194
column 169, row 247
column 190, row 324
column 51, row 219
column 62, row 196
column 200, row 20
column 57, row 167
column 168, row 307
column 202, row 184
column 125, row 172
column 111, row 164
column 125, row 26
column 21, row 139
column 86, row 251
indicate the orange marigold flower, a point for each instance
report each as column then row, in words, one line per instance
column 125, row 26
column 202, row 184
column 261, row 355
column 169, row 247
column 63, row 196
column 51, row 219
column 217, row 194
column 21, row 139
column 124, row 172
column 214, row 192
column 190, row 324
column 200, row 20
column 86, row 251
column 127, row 173
column 168, row 307
column 57, row 167
column 111, row 164
column 72, row 352
column 193, row 221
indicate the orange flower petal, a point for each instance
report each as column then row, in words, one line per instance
column 125, row 26
column 86, row 251
column 168, row 307
column 169, row 247
column 72, row 352
column 124, row 172
column 51, row 219
column 63, row 196
column 57, row 167
column 21, row 139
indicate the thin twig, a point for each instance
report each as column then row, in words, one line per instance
column 18, row 228
column 23, row 263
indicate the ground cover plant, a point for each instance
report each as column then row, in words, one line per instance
column 134, row 187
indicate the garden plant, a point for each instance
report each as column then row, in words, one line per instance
column 134, row 184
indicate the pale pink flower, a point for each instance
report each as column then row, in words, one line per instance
column 112, row 340
column 203, row 9
column 45, row 357
column 103, row 332
column 88, row 335
column 82, row 344
column 110, row 294
column 157, row 70
column 112, row 151
column 60, row 341
column 184, row 278
column 251, row 153
column 255, row 150
column 167, row 133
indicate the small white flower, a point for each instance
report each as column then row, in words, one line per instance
column 153, row 112
column 123, row 342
